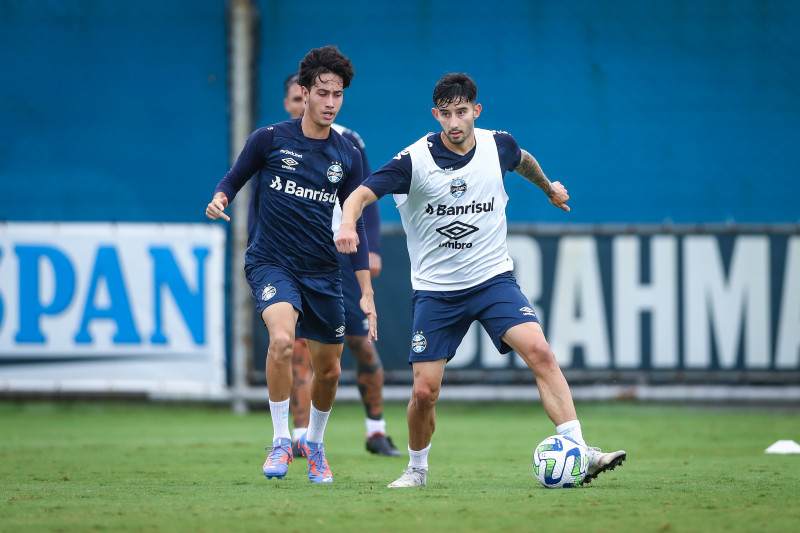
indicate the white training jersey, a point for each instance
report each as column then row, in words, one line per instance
column 455, row 221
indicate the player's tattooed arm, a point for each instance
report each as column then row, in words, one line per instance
column 529, row 169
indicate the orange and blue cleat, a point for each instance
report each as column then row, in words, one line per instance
column 280, row 455
column 318, row 471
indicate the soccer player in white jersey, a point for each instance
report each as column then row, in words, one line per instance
column 449, row 190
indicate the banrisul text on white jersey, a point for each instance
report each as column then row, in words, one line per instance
column 474, row 207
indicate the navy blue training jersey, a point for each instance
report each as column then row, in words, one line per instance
column 297, row 182
column 371, row 214
column 395, row 176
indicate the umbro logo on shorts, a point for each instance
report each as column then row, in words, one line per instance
column 340, row 331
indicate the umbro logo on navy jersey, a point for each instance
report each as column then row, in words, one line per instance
column 289, row 163
column 527, row 311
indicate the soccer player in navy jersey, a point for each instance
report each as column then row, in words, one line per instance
column 449, row 190
column 301, row 167
column 369, row 368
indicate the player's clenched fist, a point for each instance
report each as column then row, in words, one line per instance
column 347, row 240
column 216, row 208
column 559, row 197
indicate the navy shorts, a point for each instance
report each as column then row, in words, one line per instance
column 356, row 322
column 317, row 298
column 442, row 318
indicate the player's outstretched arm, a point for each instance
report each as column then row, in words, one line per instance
column 367, row 302
column 216, row 208
column 347, row 241
column 530, row 170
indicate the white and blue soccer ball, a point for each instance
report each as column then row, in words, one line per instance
column 560, row 462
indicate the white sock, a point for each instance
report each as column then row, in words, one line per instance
column 297, row 433
column 418, row 459
column 376, row 426
column 316, row 424
column 572, row 429
column 280, row 419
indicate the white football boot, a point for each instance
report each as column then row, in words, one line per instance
column 600, row 462
column 413, row 477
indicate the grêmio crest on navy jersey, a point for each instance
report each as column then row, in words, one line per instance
column 335, row 172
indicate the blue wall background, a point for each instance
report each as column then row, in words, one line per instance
column 647, row 111
column 112, row 111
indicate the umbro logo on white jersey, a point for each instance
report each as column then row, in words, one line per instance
column 457, row 230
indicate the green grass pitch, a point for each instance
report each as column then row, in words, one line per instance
column 93, row 466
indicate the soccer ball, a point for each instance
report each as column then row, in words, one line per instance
column 560, row 462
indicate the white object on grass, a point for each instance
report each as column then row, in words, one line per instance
column 784, row 447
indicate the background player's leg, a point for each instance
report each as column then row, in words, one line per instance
column 300, row 400
column 369, row 371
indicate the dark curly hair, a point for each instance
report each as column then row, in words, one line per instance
column 321, row 61
column 456, row 87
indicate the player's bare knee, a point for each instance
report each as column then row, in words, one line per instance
column 538, row 353
column 424, row 396
column 281, row 345
column 329, row 373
